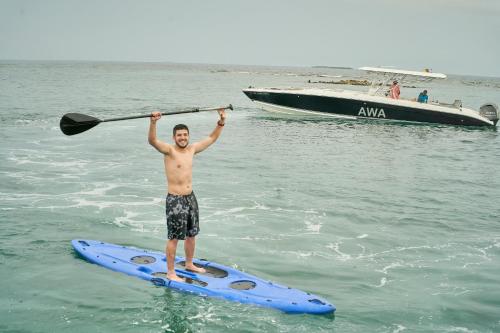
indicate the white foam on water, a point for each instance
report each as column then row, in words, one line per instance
column 27, row 121
column 383, row 282
column 80, row 202
column 400, row 249
column 341, row 255
column 31, row 198
column 99, row 190
column 399, row 328
column 299, row 254
column 313, row 227
column 391, row 266
column 122, row 221
column 137, row 225
column 101, row 204
column 362, row 236
column 458, row 329
column 236, row 210
column 233, row 211
column 205, row 315
column 314, row 224
column 449, row 289
column 467, row 264
column 36, row 160
column 363, row 250
column 74, row 177
column 257, row 238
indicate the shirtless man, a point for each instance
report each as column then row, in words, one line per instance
column 181, row 205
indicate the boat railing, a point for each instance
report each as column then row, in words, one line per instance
column 380, row 86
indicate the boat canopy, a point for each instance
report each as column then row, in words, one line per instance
column 404, row 72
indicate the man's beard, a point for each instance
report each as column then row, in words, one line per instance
column 184, row 146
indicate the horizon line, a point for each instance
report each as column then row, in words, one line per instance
column 207, row 63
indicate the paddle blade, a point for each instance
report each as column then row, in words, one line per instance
column 74, row 123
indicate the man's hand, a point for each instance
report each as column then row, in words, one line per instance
column 155, row 116
column 222, row 115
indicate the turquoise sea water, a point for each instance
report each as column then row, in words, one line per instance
column 394, row 223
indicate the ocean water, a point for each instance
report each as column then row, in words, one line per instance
column 396, row 224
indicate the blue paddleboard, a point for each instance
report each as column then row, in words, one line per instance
column 219, row 281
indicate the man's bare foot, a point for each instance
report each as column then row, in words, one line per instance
column 175, row 277
column 195, row 269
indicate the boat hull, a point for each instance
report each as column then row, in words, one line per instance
column 356, row 106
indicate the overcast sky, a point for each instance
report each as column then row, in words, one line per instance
column 449, row 36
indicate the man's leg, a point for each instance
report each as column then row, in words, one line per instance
column 189, row 245
column 170, row 252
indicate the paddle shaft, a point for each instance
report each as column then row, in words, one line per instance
column 169, row 113
column 74, row 123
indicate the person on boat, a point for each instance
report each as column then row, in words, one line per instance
column 394, row 91
column 181, row 205
column 422, row 97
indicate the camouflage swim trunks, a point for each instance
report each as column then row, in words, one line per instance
column 182, row 216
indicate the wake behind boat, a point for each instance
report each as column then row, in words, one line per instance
column 374, row 104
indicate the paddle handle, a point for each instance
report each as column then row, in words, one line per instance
column 230, row 107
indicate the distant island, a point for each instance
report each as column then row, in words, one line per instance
column 334, row 67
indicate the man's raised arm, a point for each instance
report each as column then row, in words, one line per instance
column 205, row 143
column 162, row 147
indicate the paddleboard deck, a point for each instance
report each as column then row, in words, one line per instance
column 218, row 281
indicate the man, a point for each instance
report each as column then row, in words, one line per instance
column 394, row 92
column 181, row 206
column 422, row 97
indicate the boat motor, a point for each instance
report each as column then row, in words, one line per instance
column 490, row 111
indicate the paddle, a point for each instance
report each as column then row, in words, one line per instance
column 74, row 123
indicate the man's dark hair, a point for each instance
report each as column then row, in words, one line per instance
column 180, row 127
